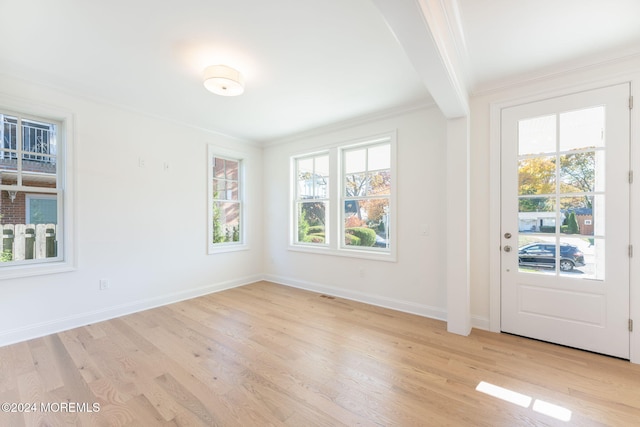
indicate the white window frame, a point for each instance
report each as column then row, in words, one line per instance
column 334, row 228
column 64, row 191
column 298, row 200
column 344, row 198
column 214, row 152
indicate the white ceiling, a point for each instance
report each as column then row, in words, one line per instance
column 306, row 63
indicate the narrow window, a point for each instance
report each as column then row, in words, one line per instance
column 226, row 228
column 312, row 199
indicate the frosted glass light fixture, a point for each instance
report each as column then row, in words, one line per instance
column 223, row 80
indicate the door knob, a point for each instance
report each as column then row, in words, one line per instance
column 507, row 248
column 507, row 235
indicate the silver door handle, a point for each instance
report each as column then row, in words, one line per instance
column 507, row 248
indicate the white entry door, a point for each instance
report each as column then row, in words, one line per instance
column 565, row 220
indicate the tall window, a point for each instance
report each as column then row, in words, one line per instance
column 343, row 200
column 312, row 198
column 225, row 202
column 366, row 194
column 31, row 188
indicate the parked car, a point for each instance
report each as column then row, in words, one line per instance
column 544, row 255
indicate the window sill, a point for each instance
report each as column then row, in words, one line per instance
column 41, row 269
column 350, row 253
column 228, row 248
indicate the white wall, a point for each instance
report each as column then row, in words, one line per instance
column 143, row 229
column 485, row 240
column 416, row 282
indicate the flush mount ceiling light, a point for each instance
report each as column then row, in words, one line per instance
column 223, row 80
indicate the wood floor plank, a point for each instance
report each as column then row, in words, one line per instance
column 266, row 354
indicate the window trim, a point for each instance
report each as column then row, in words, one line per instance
column 335, row 212
column 64, row 119
column 216, row 152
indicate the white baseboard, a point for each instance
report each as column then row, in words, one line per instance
column 480, row 323
column 62, row 324
column 394, row 304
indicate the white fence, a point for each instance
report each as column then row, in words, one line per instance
column 28, row 241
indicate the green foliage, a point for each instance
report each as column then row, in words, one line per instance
column 218, row 235
column 350, row 239
column 538, row 175
column 548, row 229
column 366, row 235
column 223, row 234
column 314, row 238
column 314, row 212
column 316, row 229
column 303, row 225
column 6, row 255
column 572, row 224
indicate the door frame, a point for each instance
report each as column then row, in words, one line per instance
column 494, row 241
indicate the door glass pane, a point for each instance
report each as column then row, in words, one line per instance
column 582, row 129
column 578, row 172
column 537, row 135
column 582, row 258
column 536, row 254
column 537, row 215
column 537, row 175
column 577, row 215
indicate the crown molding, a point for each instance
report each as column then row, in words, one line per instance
column 564, row 70
column 353, row 122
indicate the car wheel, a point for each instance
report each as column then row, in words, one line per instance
column 566, row 265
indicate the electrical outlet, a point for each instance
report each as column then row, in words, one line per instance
column 104, row 284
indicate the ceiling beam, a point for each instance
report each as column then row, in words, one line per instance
column 431, row 38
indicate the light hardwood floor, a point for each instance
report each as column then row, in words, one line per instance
column 265, row 354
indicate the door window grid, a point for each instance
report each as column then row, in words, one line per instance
column 561, row 193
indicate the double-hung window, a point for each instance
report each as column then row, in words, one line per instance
column 343, row 199
column 366, row 195
column 312, row 199
column 32, row 185
column 226, row 216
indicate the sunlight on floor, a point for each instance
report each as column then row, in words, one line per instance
column 540, row 406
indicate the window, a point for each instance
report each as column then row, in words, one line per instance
column 32, row 177
column 343, row 199
column 366, row 192
column 312, row 199
column 226, row 229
